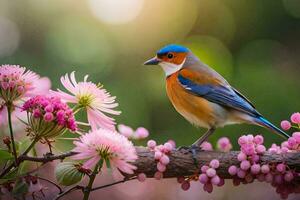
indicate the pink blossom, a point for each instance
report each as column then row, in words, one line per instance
column 224, row 144
column 285, row 125
column 93, row 98
column 295, row 118
column 232, row 170
column 108, row 145
column 206, row 146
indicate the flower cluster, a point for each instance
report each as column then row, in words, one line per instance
column 106, row 145
column 138, row 134
column 249, row 169
column 17, row 82
column 49, row 116
column 161, row 155
column 295, row 120
column 93, row 98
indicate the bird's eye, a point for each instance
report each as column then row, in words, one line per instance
column 170, row 55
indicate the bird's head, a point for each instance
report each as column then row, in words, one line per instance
column 171, row 58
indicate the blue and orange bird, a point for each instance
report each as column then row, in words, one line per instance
column 202, row 96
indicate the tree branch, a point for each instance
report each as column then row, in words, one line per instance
column 182, row 164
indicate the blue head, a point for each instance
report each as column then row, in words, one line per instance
column 171, row 58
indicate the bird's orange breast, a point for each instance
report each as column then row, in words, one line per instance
column 195, row 109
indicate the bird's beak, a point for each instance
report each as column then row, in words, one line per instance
column 152, row 61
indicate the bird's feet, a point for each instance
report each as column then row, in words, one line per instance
column 193, row 149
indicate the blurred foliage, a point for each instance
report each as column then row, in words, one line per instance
column 254, row 44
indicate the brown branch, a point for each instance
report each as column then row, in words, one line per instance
column 182, row 164
column 46, row 158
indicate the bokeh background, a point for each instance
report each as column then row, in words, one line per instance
column 254, row 44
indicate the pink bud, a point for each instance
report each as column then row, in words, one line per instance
column 265, row 169
column 281, row 168
column 151, row 144
column 168, row 147
column 4, row 85
column 255, row 169
column 295, row 118
column 206, row 146
column 36, row 113
column 157, row 155
column 172, row 142
column 211, row 172
column 255, row 158
column 269, row 178
column 204, row 168
column 261, row 178
column 241, row 156
column 241, row 173
column 208, row 187
column 164, row 160
column 249, row 178
column 203, row 178
column 141, row 133
column 214, row 163
column 260, row 149
column 292, row 141
column 288, row 177
column 185, row 185
column 141, row 177
column 258, row 139
column 296, row 136
column 285, row 125
column 180, row 179
column 20, row 89
column 215, row 180
column 222, row 182
column 245, row 165
column 158, row 175
column 278, row 179
column 242, row 140
column 161, row 167
column 232, row 170
column 49, row 108
column 48, row 117
column 125, row 130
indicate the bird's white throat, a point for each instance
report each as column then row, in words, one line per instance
column 171, row 68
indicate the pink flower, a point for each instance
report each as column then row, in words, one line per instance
column 16, row 82
column 93, row 98
column 285, row 125
column 107, row 145
column 53, row 123
column 295, row 118
column 224, row 144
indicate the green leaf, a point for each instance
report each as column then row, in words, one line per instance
column 66, row 173
column 108, row 165
column 5, row 155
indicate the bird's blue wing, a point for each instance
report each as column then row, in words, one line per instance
column 222, row 95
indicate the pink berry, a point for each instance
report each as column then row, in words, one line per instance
column 281, row 168
column 241, row 173
column 285, row 125
column 260, row 149
column 158, row 175
column 215, row 180
column 288, row 177
column 232, row 170
column 204, row 168
column 161, row 167
column 278, row 179
column 172, row 142
column 258, row 139
column 211, row 172
column 168, row 147
column 164, row 160
column 180, row 179
column 151, row 144
column 265, row 169
column 292, row 141
column 48, row 117
column 255, row 158
column 206, row 146
column 255, row 169
column 269, row 178
column 141, row 133
column 295, row 118
column 141, row 177
column 241, row 156
column 245, row 165
column 222, row 182
column 157, row 155
column 208, row 187
column 242, row 140
column 185, row 185
column 214, row 163
column 203, row 178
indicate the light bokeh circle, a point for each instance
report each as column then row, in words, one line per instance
column 116, row 11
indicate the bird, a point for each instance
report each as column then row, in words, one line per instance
column 202, row 96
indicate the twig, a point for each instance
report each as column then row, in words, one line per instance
column 47, row 158
column 76, row 187
column 111, row 184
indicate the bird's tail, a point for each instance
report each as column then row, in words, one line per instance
column 265, row 123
